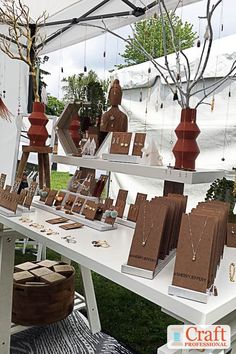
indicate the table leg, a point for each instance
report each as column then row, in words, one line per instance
column 90, row 298
column 7, row 253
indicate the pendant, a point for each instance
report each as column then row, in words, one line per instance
column 112, row 118
column 194, row 258
column 143, row 243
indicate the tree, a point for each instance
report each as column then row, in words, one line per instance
column 149, row 34
column 87, row 89
column 54, row 106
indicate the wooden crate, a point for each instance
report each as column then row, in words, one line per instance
column 37, row 304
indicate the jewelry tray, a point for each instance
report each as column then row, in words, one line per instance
column 148, row 274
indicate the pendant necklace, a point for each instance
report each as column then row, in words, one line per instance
column 112, row 118
column 195, row 250
column 144, row 236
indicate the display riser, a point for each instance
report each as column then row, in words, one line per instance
column 148, row 274
column 26, row 210
column 10, row 213
column 122, row 158
column 97, row 225
column 188, row 294
column 126, row 222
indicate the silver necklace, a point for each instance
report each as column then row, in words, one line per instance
column 194, row 250
column 145, row 239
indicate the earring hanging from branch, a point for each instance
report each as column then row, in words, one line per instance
column 85, row 50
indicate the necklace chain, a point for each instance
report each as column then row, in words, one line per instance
column 145, row 239
column 194, row 250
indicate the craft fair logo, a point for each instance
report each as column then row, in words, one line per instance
column 198, row 337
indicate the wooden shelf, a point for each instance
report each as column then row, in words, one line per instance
column 158, row 172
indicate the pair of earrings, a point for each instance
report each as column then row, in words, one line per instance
column 111, row 214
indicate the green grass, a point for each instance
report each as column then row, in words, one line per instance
column 59, row 180
column 129, row 318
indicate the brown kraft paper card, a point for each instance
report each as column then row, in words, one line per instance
column 188, row 273
column 147, row 237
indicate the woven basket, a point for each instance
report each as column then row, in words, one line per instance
column 37, row 305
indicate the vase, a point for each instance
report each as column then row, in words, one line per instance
column 74, row 129
column 37, row 132
column 186, row 149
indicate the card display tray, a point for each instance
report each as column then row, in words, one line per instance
column 10, row 213
column 23, row 209
column 148, row 274
column 188, row 294
column 122, row 158
column 97, row 225
column 126, row 222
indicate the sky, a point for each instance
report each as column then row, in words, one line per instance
column 90, row 53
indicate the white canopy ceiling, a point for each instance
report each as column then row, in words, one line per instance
column 70, row 22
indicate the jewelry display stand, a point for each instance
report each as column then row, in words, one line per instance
column 126, row 222
column 122, row 158
column 97, row 225
column 148, row 274
column 23, row 209
column 188, row 294
column 10, row 213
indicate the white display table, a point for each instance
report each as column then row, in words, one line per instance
column 107, row 262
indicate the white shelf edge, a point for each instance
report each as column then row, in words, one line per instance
column 158, row 172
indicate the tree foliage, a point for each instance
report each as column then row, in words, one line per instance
column 149, row 33
column 86, row 88
column 54, row 106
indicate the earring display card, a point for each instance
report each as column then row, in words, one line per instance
column 30, row 195
column 22, row 196
column 74, row 183
column 147, row 237
column 99, row 187
column 51, row 197
column 90, row 210
column 88, row 185
column 69, row 201
column 78, row 205
column 57, row 221
column 139, row 142
column 16, row 185
column 193, row 257
column 120, row 143
column 140, row 198
column 108, row 204
column 2, row 180
column 8, row 188
column 75, row 225
column 59, row 198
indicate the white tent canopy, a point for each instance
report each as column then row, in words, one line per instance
column 70, row 22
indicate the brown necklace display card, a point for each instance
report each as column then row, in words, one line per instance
column 120, row 143
column 147, row 237
column 122, row 195
column 75, row 225
column 99, row 186
column 75, row 181
column 88, row 185
column 140, row 197
column 2, row 180
column 108, row 203
column 51, row 197
column 189, row 273
column 133, row 212
column 139, row 141
column 57, row 221
column 30, row 194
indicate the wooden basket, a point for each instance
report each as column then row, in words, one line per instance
column 38, row 305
